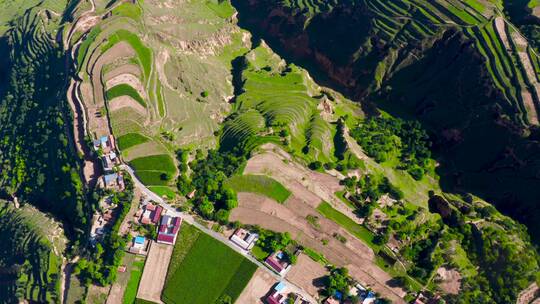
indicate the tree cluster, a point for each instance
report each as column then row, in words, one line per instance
column 369, row 189
column 386, row 138
column 36, row 162
column 271, row 241
column 213, row 200
column 100, row 266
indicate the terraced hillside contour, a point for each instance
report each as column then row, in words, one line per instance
column 152, row 85
column 30, row 255
column 459, row 66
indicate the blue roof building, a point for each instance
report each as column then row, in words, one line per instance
column 140, row 239
column 280, row 286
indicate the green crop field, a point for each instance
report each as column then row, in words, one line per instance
column 155, row 163
column 125, row 90
column 344, row 221
column 133, row 284
column 129, row 140
column 260, row 184
column 209, row 265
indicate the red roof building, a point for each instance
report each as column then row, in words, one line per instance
column 168, row 229
column 277, row 262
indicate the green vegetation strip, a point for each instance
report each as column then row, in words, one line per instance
column 154, row 170
column 260, row 184
column 129, row 140
column 125, row 90
column 344, row 221
column 209, row 265
column 133, row 284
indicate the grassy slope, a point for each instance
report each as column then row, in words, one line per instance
column 260, row 184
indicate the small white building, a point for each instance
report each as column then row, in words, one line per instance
column 244, row 239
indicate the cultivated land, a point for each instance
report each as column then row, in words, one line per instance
column 155, row 272
column 309, row 186
column 307, row 274
column 260, row 184
column 160, row 75
column 257, row 288
column 291, row 217
column 209, row 265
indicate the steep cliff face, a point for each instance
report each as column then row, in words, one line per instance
column 457, row 69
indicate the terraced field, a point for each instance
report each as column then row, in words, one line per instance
column 143, row 57
column 279, row 100
column 30, row 255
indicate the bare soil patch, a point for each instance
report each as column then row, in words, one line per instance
column 530, row 295
column 126, row 102
column 129, row 79
column 500, row 27
column 132, row 69
column 521, row 45
column 155, row 272
column 450, row 280
column 307, row 274
column 309, row 186
column 257, row 288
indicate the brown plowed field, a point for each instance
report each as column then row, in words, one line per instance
column 291, row 217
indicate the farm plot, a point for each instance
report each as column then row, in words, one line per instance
column 279, row 96
column 155, row 272
column 125, row 90
column 260, row 184
column 201, row 262
column 154, row 170
column 129, row 140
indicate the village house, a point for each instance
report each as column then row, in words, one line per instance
column 168, row 229
column 277, row 295
column 244, row 239
column 113, row 181
column 109, row 161
column 149, row 214
column 331, row 301
column 105, row 143
column 139, row 245
column 278, row 262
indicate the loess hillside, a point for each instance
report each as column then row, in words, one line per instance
column 460, row 67
column 30, row 255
